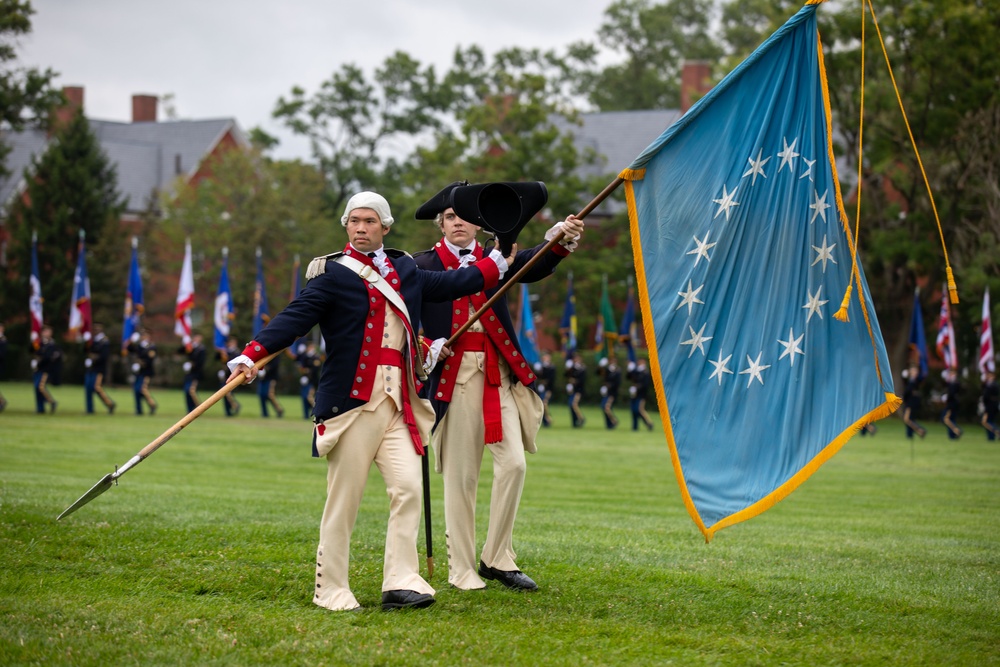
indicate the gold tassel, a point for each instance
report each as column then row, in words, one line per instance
column 632, row 174
column 952, row 286
column 841, row 315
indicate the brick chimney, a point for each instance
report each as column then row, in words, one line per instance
column 696, row 80
column 74, row 103
column 144, row 108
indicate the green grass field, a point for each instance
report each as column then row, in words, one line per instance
column 204, row 554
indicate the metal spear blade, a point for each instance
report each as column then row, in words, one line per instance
column 106, row 482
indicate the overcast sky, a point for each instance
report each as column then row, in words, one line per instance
column 234, row 59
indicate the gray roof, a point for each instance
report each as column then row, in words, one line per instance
column 146, row 156
column 618, row 137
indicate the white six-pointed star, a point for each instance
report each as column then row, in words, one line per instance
column 788, row 155
column 819, row 206
column 690, row 297
column 791, row 347
column 824, row 254
column 702, row 249
column 756, row 167
column 754, row 370
column 809, row 171
column 697, row 340
column 726, row 202
column 814, row 303
column 720, row 367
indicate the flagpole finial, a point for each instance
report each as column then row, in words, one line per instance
column 83, row 234
column 296, row 258
column 135, row 242
column 225, row 251
column 258, row 252
column 34, row 236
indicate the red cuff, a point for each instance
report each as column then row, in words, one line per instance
column 255, row 351
column 490, row 271
column 560, row 250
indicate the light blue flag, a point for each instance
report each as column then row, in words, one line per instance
column 134, row 306
column 526, row 333
column 743, row 254
column 223, row 316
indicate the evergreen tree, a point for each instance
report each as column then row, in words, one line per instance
column 69, row 187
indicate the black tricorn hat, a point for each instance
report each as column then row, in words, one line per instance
column 501, row 208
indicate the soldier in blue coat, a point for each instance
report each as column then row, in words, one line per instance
column 366, row 301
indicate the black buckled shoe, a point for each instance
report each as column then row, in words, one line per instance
column 403, row 598
column 514, row 579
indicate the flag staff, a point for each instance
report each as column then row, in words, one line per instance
column 608, row 189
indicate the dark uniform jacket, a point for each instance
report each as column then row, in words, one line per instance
column 437, row 322
column 98, row 352
column 640, row 379
column 341, row 303
column 145, row 354
column 196, row 357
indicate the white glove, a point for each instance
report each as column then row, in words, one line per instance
column 569, row 243
column 303, row 380
column 135, row 337
column 538, row 367
column 242, row 359
column 569, row 389
column 88, row 363
column 222, row 376
column 569, row 363
column 541, row 388
column 261, row 373
column 433, row 354
column 603, row 362
column 604, row 391
column 630, row 366
column 187, row 366
column 499, row 260
column 633, row 391
column 34, row 364
column 135, row 368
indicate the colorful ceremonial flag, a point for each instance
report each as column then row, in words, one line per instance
column 223, row 305
column 946, row 334
column 607, row 331
column 917, row 339
column 79, row 307
column 185, row 298
column 627, row 331
column 526, row 331
column 133, row 299
column 986, row 355
column 742, row 251
column 261, row 315
column 35, row 298
column 568, row 325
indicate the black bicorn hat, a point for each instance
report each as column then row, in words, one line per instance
column 501, row 208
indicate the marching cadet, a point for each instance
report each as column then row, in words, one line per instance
column 267, row 391
column 144, row 367
column 576, row 379
column 367, row 409
column 194, row 369
column 310, row 364
column 951, row 404
column 610, row 385
column 545, row 371
column 911, row 401
column 98, row 353
column 475, row 398
column 44, row 363
column 990, row 405
column 231, row 351
column 3, row 362
column 639, row 379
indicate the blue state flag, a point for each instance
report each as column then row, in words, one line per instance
column 526, row 336
column 261, row 315
column 223, row 314
column 133, row 299
column 567, row 327
column 918, row 340
column 743, row 254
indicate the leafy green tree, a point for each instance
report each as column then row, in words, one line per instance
column 70, row 187
column 249, row 202
column 26, row 94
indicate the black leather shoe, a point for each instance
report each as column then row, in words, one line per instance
column 514, row 579
column 404, row 598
